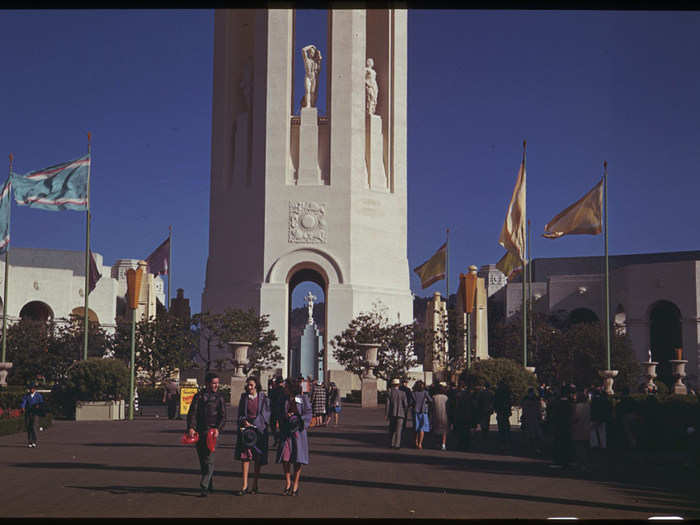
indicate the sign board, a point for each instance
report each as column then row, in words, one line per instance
column 186, row 395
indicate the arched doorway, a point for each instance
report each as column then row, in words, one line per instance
column 79, row 313
column 665, row 334
column 303, row 358
column 582, row 315
column 36, row 311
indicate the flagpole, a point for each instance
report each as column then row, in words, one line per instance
column 170, row 264
column 87, row 253
column 447, row 269
column 7, row 272
column 524, row 273
column 607, row 270
column 529, row 277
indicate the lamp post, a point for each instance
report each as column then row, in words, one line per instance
column 133, row 283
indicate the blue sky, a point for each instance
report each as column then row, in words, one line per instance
column 580, row 87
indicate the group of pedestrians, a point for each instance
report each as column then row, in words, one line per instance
column 286, row 413
column 439, row 409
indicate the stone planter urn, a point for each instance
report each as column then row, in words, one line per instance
column 679, row 375
column 4, row 370
column 531, row 369
column 370, row 350
column 649, row 373
column 608, row 377
column 240, row 352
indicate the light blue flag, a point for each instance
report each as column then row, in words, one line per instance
column 60, row 187
column 5, row 206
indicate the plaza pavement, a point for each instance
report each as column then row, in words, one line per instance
column 140, row 469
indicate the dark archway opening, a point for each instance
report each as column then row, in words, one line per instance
column 36, row 311
column 582, row 315
column 665, row 334
column 301, row 360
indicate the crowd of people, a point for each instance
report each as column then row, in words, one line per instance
column 287, row 411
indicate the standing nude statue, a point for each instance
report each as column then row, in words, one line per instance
column 371, row 87
column 310, row 298
column 312, row 67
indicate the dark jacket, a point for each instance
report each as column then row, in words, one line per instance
column 465, row 409
column 501, row 401
column 485, row 400
column 207, row 411
column 32, row 406
column 276, row 401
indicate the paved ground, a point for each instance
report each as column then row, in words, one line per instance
column 139, row 469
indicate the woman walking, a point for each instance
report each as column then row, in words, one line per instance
column 334, row 402
column 318, row 403
column 294, row 443
column 253, row 412
column 421, row 406
column 440, row 422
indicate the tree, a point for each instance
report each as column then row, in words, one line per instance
column 494, row 370
column 207, row 325
column 397, row 354
column 28, row 349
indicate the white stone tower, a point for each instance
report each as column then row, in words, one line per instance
column 306, row 198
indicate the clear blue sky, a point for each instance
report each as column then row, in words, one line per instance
column 580, row 87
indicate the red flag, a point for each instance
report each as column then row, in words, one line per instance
column 159, row 260
column 94, row 275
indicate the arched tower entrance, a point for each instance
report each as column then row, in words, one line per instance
column 302, row 193
column 302, row 358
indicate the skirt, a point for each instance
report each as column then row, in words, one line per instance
column 421, row 422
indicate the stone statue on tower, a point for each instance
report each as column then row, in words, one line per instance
column 310, row 298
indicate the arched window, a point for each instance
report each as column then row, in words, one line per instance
column 36, row 311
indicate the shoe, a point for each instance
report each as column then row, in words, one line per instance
column 203, row 494
column 29, row 445
column 252, row 491
column 295, row 492
column 442, row 447
column 287, row 491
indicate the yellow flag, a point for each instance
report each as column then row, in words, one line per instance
column 513, row 232
column 509, row 265
column 583, row 217
column 433, row 270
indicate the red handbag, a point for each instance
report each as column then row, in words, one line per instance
column 211, row 439
column 187, row 440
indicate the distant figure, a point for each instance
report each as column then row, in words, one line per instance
column 465, row 416
column 484, row 401
column 440, row 422
column 396, row 408
column 409, row 397
column 312, row 67
column 32, row 405
column 421, row 406
column 318, row 404
column 371, row 87
column 171, row 397
column 581, row 430
column 276, row 395
column 531, row 420
column 334, row 401
column 561, row 415
column 502, row 405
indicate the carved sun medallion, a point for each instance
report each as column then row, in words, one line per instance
column 307, row 222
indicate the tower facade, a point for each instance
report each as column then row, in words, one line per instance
column 305, row 197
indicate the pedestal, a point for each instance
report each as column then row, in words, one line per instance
column 679, row 374
column 237, row 388
column 608, row 376
column 649, row 373
column 4, row 370
column 374, row 153
column 369, row 392
column 309, row 173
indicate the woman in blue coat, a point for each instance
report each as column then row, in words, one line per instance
column 253, row 411
column 294, row 443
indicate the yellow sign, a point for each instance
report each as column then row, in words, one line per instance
column 186, row 395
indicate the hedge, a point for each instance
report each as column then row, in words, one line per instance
column 16, row 424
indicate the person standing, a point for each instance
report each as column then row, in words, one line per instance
column 464, row 416
column 439, row 419
column 581, row 428
column 334, row 401
column 253, row 411
column 502, row 404
column 396, row 408
column 171, row 397
column 33, row 406
column 294, row 441
column 207, row 411
column 421, row 406
column 277, row 398
column 561, row 415
column 485, row 400
column 531, row 421
column 409, row 398
column 318, row 404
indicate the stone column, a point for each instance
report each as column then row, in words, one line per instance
column 369, row 381
column 309, row 173
column 374, row 152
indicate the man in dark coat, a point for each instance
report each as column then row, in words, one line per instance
column 396, row 408
column 485, row 400
column 502, row 404
column 32, row 404
column 206, row 411
column 560, row 417
column 464, row 416
column 276, row 396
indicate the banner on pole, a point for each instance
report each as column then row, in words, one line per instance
column 57, row 188
column 433, row 270
column 159, row 260
column 5, row 207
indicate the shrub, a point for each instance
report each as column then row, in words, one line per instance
column 493, row 370
column 16, row 424
column 93, row 380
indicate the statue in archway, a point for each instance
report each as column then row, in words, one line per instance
column 310, row 298
column 312, row 67
column 371, row 87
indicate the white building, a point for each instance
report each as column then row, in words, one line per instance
column 49, row 284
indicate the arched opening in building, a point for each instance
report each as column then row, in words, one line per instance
column 36, row 311
column 306, row 352
column 582, row 315
column 78, row 313
column 310, row 28
column 620, row 320
column 665, row 335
